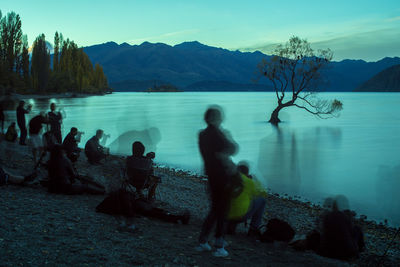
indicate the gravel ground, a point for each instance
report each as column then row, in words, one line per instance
column 38, row 228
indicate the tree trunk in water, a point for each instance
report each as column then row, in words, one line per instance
column 274, row 119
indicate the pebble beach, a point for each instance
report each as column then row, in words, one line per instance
column 38, row 228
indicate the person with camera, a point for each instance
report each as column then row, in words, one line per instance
column 70, row 144
column 94, row 151
column 21, row 111
column 55, row 119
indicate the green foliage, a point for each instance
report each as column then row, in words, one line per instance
column 75, row 72
column 72, row 69
column 12, row 58
column 40, row 69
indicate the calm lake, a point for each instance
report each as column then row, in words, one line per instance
column 356, row 155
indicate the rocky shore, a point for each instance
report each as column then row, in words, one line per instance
column 38, row 228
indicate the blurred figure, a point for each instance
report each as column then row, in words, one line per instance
column 93, row 150
column 148, row 137
column 140, row 170
column 250, row 204
column 55, row 120
column 216, row 147
column 36, row 143
column 21, row 111
column 62, row 176
column 11, row 134
column 70, row 144
column 2, row 118
column 337, row 235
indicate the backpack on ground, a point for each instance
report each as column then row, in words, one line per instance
column 277, row 230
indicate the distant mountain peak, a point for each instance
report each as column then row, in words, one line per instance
column 191, row 45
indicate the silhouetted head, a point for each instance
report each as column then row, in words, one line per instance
column 53, row 106
column 99, row 134
column 243, row 167
column 74, row 131
column 137, row 149
column 151, row 155
column 12, row 125
column 21, row 103
column 214, row 116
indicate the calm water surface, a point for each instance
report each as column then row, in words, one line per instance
column 357, row 154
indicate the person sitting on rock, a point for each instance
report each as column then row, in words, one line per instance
column 249, row 204
column 11, row 134
column 140, row 170
column 62, row 176
column 70, row 145
column 93, row 150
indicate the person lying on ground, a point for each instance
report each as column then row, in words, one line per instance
column 93, row 150
column 35, row 139
column 62, row 176
column 250, row 204
column 125, row 205
column 70, row 145
column 140, row 170
column 6, row 177
column 11, row 134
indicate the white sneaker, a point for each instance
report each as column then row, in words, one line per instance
column 203, row 247
column 220, row 252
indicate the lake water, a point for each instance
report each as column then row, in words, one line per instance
column 356, row 155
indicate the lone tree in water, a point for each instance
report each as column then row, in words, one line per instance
column 295, row 72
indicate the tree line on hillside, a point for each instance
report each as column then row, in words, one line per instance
column 71, row 70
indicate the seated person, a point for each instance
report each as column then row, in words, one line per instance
column 36, row 143
column 140, row 170
column 62, row 175
column 250, row 204
column 339, row 236
column 70, row 145
column 11, row 134
column 93, row 150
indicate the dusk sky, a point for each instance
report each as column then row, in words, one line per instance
column 368, row 30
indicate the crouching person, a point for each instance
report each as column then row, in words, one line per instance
column 70, row 144
column 94, row 151
column 250, row 204
column 62, row 176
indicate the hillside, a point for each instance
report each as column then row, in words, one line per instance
column 387, row 80
column 190, row 63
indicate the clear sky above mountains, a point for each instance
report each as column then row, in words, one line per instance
column 356, row 29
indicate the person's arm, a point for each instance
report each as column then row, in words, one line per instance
column 228, row 146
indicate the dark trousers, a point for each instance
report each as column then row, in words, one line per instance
column 24, row 132
column 216, row 215
column 57, row 135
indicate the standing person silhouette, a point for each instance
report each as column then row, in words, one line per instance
column 216, row 147
column 55, row 119
column 21, row 111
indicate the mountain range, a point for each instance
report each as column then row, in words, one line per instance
column 387, row 80
column 193, row 66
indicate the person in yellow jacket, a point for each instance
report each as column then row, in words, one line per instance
column 250, row 204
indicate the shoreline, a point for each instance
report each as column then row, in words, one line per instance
column 180, row 190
